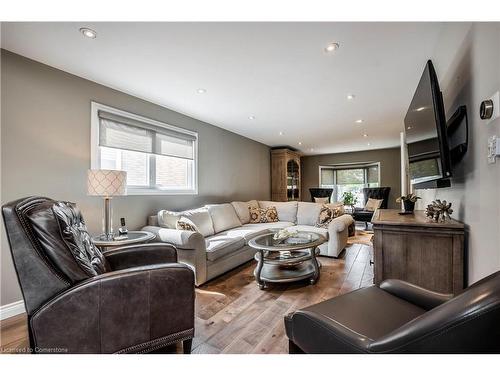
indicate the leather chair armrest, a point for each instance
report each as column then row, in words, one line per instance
column 314, row 333
column 123, row 257
column 424, row 298
column 133, row 310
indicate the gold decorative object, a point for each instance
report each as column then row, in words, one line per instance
column 439, row 211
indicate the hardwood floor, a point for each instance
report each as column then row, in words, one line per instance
column 234, row 316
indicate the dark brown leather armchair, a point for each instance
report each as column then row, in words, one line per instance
column 399, row 317
column 360, row 214
column 133, row 299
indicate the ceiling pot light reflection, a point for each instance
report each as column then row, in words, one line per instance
column 89, row 33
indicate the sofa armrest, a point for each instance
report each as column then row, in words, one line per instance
column 140, row 255
column 339, row 224
column 132, row 310
column 424, row 298
column 181, row 239
column 191, row 248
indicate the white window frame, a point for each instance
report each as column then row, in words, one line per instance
column 95, row 157
column 347, row 166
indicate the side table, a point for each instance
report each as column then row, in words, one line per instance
column 133, row 237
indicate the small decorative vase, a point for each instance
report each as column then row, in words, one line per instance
column 409, row 206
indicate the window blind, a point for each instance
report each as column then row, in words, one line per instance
column 128, row 134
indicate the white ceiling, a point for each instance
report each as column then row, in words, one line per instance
column 277, row 72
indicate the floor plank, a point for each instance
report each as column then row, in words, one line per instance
column 234, row 316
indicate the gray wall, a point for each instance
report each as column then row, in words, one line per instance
column 390, row 170
column 45, row 138
column 467, row 62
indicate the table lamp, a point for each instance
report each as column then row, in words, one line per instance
column 107, row 184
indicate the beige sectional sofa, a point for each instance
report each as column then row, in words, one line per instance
column 224, row 231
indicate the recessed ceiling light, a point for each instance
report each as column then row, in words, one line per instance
column 312, row 149
column 201, row 91
column 89, row 33
column 350, row 97
column 332, row 47
column 368, row 144
column 300, row 143
column 365, row 135
column 420, row 109
column 359, row 121
column 281, row 133
column 251, row 117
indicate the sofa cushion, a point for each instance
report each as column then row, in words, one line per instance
column 287, row 211
column 201, row 218
column 270, row 226
column 308, row 228
column 242, row 210
column 308, row 213
column 221, row 245
column 223, row 216
column 247, row 233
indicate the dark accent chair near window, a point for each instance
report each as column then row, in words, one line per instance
column 321, row 193
column 399, row 317
column 375, row 193
column 132, row 299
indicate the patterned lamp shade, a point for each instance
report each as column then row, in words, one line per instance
column 106, row 183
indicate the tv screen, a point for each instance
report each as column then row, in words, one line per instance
column 425, row 128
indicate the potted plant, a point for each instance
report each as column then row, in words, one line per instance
column 408, row 201
column 349, row 199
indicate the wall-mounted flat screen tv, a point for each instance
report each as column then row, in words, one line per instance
column 425, row 128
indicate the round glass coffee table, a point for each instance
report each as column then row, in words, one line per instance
column 283, row 261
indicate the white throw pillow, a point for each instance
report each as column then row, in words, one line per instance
column 308, row 213
column 287, row 211
column 223, row 216
column 202, row 219
column 168, row 219
column 243, row 210
column 373, row 204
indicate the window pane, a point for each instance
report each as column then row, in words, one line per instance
column 171, row 146
column 173, row 173
column 109, row 158
column 137, row 166
column 326, row 177
column 372, row 174
column 350, row 176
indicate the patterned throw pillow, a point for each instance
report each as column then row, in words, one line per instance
column 327, row 214
column 185, row 224
column 263, row 215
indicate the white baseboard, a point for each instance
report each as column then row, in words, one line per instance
column 12, row 309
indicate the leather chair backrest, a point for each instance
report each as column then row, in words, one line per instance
column 377, row 193
column 320, row 193
column 50, row 248
column 453, row 326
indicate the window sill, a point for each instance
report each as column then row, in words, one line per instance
column 136, row 191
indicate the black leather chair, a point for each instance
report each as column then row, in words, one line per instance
column 399, row 317
column 360, row 214
column 132, row 299
column 320, row 193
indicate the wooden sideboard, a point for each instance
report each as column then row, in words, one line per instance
column 417, row 250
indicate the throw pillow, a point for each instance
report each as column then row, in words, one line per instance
column 185, row 224
column 327, row 214
column 263, row 215
column 337, row 207
column 321, row 200
column 373, row 204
